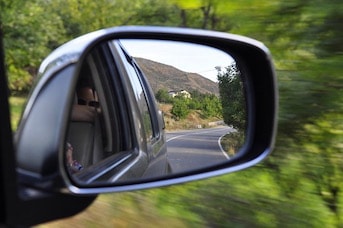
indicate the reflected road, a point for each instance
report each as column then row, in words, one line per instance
column 193, row 149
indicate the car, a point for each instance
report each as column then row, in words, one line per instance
column 101, row 132
column 92, row 124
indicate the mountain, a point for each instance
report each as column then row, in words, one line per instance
column 162, row 76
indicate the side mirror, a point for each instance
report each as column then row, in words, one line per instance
column 93, row 125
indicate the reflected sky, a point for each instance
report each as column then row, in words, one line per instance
column 192, row 58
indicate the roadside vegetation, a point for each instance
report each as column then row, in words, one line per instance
column 232, row 142
column 189, row 110
column 16, row 107
column 193, row 120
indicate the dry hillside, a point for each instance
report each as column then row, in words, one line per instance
column 167, row 77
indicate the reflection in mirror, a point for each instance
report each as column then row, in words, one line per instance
column 198, row 88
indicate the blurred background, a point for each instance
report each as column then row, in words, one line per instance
column 300, row 184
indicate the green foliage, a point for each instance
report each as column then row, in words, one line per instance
column 180, row 108
column 20, row 80
column 31, row 30
column 233, row 142
column 16, row 107
column 254, row 198
column 211, row 106
column 153, row 12
column 208, row 104
column 196, row 102
column 163, row 96
column 232, row 97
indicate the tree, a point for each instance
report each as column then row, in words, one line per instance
column 232, row 97
column 31, row 30
column 211, row 106
column 206, row 14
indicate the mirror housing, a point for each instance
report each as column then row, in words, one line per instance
column 40, row 152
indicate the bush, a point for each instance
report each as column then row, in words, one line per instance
column 232, row 142
column 180, row 108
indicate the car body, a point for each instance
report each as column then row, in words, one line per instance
column 130, row 140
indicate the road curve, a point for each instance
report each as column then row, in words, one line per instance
column 194, row 149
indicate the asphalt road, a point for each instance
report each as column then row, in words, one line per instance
column 194, row 149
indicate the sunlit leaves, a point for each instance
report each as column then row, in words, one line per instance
column 189, row 4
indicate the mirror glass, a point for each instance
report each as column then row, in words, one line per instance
column 118, row 131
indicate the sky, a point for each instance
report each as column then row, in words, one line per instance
column 188, row 57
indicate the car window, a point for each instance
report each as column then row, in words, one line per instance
column 88, row 138
column 141, row 98
column 96, row 126
column 112, row 94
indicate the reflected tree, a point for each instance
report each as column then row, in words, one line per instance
column 163, row 96
column 180, row 108
column 232, row 96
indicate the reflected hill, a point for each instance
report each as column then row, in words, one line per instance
column 162, row 76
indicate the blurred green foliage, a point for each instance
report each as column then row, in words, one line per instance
column 16, row 107
column 299, row 185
